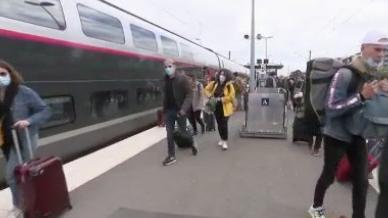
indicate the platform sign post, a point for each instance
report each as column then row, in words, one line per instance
column 252, row 82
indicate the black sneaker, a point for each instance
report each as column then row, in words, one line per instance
column 169, row 160
column 194, row 149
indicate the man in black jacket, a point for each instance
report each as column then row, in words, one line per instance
column 177, row 100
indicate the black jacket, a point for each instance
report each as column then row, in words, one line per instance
column 183, row 93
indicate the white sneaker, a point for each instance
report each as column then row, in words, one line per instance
column 224, row 146
column 318, row 212
column 220, row 143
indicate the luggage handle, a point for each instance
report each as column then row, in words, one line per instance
column 17, row 144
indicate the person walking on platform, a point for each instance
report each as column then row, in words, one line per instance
column 239, row 90
column 197, row 105
column 177, row 101
column 20, row 108
column 208, row 114
column 342, row 100
column 222, row 93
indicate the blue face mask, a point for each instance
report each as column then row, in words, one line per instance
column 5, row 80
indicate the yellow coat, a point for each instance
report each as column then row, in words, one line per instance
column 228, row 98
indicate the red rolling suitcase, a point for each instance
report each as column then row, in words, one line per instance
column 344, row 170
column 41, row 183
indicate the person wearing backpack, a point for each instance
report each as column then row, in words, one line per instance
column 197, row 105
column 341, row 101
column 222, row 92
column 208, row 114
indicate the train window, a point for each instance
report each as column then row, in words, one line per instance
column 109, row 103
column 169, row 46
column 99, row 25
column 186, row 51
column 62, row 109
column 143, row 38
column 150, row 92
column 46, row 13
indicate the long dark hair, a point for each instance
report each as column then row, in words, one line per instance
column 5, row 105
column 227, row 74
column 16, row 78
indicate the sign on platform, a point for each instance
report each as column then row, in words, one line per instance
column 265, row 101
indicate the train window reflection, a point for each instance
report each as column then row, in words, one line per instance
column 62, row 109
column 169, row 46
column 143, row 38
column 186, row 51
column 151, row 92
column 111, row 103
column 99, row 25
column 48, row 14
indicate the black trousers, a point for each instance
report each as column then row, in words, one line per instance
column 222, row 121
column 382, row 205
column 194, row 117
column 357, row 154
column 317, row 143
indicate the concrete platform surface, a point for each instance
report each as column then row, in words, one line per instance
column 255, row 178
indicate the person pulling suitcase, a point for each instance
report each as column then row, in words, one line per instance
column 41, row 182
column 20, row 107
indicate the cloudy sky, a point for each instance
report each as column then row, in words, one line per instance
column 327, row 27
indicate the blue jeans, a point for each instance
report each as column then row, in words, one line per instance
column 12, row 162
column 171, row 115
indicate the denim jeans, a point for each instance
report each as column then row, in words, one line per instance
column 12, row 162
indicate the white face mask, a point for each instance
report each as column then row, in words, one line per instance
column 222, row 78
column 5, row 80
column 373, row 64
column 169, row 70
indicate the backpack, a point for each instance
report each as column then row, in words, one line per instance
column 319, row 74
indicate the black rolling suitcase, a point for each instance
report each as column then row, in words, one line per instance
column 300, row 131
column 183, row 139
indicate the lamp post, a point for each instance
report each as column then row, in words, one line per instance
column 259, row 37
column 253, row 71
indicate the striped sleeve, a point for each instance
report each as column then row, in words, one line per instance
column 339, row 101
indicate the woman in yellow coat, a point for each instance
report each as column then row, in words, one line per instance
column 221, row 93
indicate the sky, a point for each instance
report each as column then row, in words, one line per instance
column 329, row 28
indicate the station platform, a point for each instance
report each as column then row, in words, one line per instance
column 255, row 178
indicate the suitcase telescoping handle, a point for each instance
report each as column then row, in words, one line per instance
column 17, row 144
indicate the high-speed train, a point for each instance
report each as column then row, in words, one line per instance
column 98, row 66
